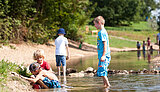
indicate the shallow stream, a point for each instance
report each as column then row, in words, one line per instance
column 119, row 83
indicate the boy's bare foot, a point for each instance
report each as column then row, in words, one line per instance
column 107, row 86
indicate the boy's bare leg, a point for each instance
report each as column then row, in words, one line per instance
column 64, row 80
column 106, row 81
column 42, row 84
column 64, row 70
column 64, row 75
column 59, row 70
column 59, row 78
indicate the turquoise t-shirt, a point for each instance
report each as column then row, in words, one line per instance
column 102, row 36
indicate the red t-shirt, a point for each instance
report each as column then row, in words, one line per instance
column 45, row 65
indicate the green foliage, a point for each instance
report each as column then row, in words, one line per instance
column 23, row 71
column 5, row 68
column 39, row 20
column 10, row 29
column 68, row 14
column 116, row 12
column 39, row 35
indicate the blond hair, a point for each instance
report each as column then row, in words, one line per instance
column 99, row 19
column 38, row 53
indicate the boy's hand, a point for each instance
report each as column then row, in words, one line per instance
column 67, row 57
column 103, row 58
column 22, row 77
column 32, row 76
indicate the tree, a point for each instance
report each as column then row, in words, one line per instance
column 116, row 12
column 69, row 14
column 39, row 20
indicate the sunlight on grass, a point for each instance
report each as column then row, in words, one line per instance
column 91, row 39
column 119, row 43
column 137, row 31
column 135, row 35
column 114, row 42
column 141, row 26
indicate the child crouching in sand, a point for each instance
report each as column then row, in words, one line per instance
column 49, row 80
column 39, row 56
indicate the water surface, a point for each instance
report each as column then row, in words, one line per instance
column 120, row 83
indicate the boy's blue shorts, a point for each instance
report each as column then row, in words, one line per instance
column 60, row 59
column 103, row 67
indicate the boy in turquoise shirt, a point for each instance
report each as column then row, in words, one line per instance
column 103, row 50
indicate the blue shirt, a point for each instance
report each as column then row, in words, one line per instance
column 158, row 36
column 138, row 45
column 102, row 36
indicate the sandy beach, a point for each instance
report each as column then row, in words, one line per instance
column 23, row 53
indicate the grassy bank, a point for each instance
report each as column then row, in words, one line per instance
column 135, row 35
column 5, row 68
column 129, row 35
column 137, row 31
column 10, row 83
column 114, row 42
column 140, row 26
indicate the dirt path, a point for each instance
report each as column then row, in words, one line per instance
column 23, row 53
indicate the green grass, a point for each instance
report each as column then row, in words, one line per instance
column 91, row 39
column 137, row 31
column 6, row 67
column 141, row 26
column 113, row 42
column 119, row 43
column 135, row 35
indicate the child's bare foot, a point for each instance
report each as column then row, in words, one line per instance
column 107, row 86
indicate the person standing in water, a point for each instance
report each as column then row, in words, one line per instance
column 103, row 50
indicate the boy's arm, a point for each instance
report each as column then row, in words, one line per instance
column 38, row 81
column 34, row 80
column 104, row 51
column 29, row 79
column 67, row 48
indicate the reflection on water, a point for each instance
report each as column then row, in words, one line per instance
column 139, row 54
column 119, row 61
column 125, row 83
column 119, row 83
column 138, row 83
